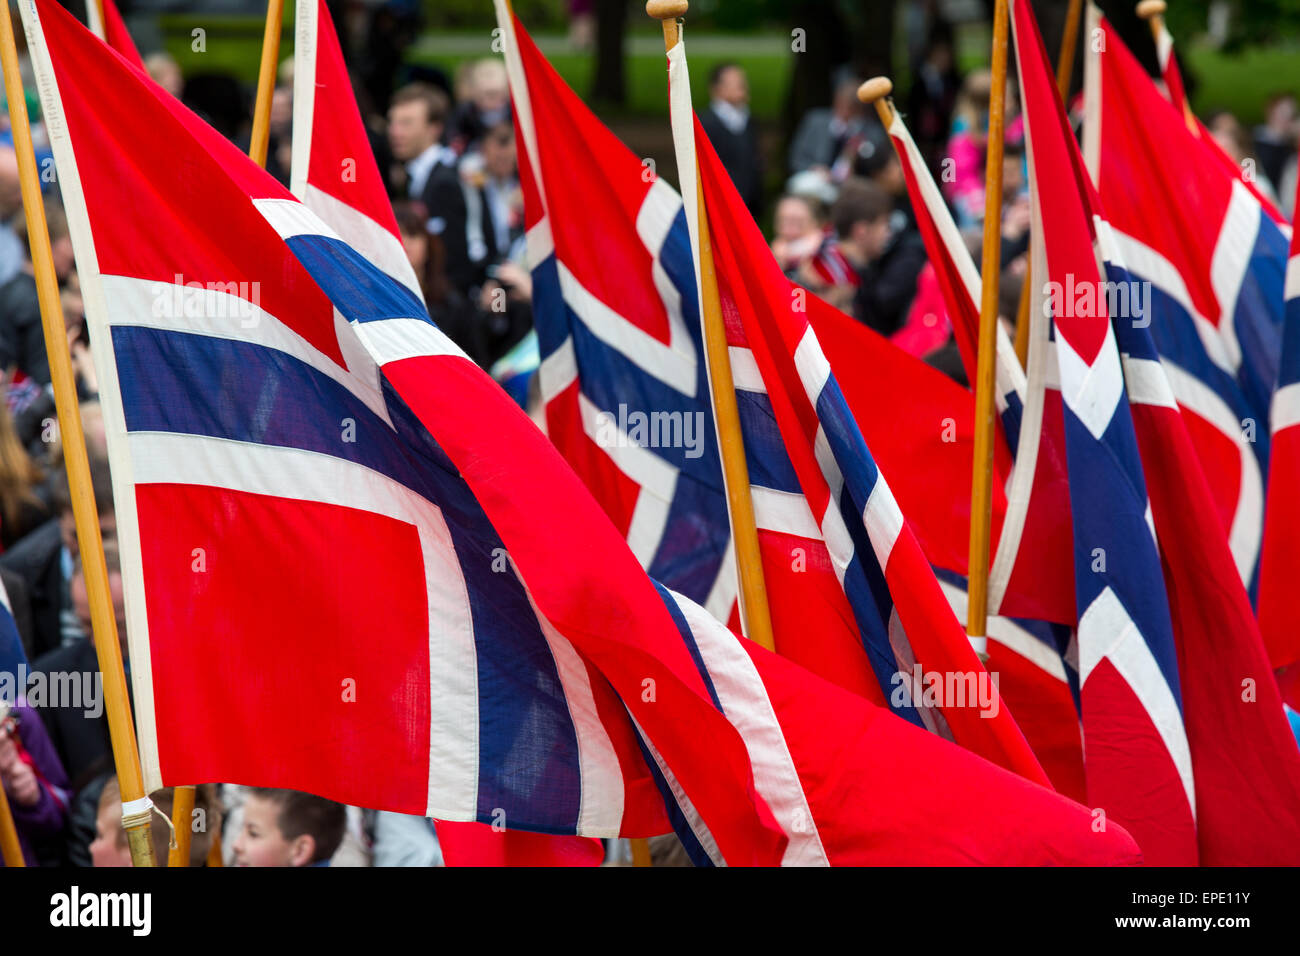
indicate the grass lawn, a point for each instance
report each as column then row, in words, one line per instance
column 1241, row 83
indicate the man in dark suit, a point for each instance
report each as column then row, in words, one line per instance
column 417, row 119
column 733, row 133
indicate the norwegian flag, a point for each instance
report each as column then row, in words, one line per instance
column 1138, row 762
column 352, row 566
column 616, row 309
column 111, row 28
column 1234, row 754
column 942, row 805
column 1279, row 603
column 309, row 549
column 1214, row 259
column 1032, row 569
column 1177, row 95
column 839, row 511
column 335, row 175
column 333, row 170
column 619, row 332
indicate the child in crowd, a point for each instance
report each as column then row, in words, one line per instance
column 288, row 828
column 110, row 847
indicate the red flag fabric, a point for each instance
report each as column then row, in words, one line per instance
column 334, row 171
column 889, row 601
column 480, row 844
column 112, row 30
column 1244, row 766
column 1279, row 569
column 402, row 598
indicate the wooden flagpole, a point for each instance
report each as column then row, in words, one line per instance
column 744, row 533
column 102, row 25
column 214, row 850
column 990, row 265
column 136, row 808
column 261, row 134
column 182, row 810
column 1153, row 12
column 11, row 851
column 9, row 846
column 1064, row 71
column 754, row 611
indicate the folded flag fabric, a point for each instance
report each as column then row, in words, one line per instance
column 112, row 30
column 824, row 763
column 627, row 398
column 334, row 174
column 1279, row 599
column 1234, row 755
column 333, row 170
column 1210, row 262
column 352, row 565
column 1136, row 754
column 1031, row 574
column 622, row 373
column 893, row 618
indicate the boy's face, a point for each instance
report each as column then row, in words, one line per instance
column 104, row 849
column 261, row 843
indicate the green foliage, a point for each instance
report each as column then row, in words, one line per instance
column 1250, row 22
column 465, row 14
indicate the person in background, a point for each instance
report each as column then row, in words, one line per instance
column 485, row 105
column 21, row 508
column 110, row 847
column 828, row 139
column 733, row 133
column 424, row 251
column 933, row 95
column 1234, row 140
column 887, row 252
column 166, row 72
column 34, row 781
column 1275, row 138
column 799, row 233
column 288, row 828
column 12, row 250
column 417, row 118
column 45, row 559
column 22, row 340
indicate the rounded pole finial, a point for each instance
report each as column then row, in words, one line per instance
column 1151, row 8
column 666, row 9
column 876, row 88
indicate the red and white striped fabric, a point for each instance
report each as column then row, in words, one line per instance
column 889, row 614
column 335, row 175
column 1185, row 743
column 334, row 172
column 1279, row 598
column 820, row 768
column 112, row 30
column 1032, row 568
column 352, row 565
column 1177, row 94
